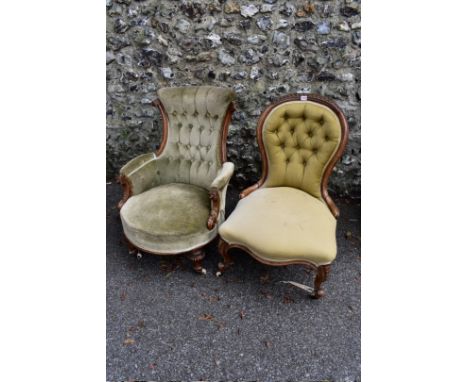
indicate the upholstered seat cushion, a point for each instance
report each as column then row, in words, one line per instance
column 281, row 224
column 168, row 219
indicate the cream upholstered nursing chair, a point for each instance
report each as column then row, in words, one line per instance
column 288, row 217
column 174, row 199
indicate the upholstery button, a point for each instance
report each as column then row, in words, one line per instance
column 190, row 125
column 327, row 138
column 195, row 114
column 184, row 113
column 207, row 115
column 315, row 150
column 216, row 116
column 322, row 120
column 179, row 125
column 174, row 113
column 287, row 160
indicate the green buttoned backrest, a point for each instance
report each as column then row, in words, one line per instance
column 300, row 138
column 193, row 150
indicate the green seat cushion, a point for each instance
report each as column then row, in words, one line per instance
column 281, row 224
column 168, row 219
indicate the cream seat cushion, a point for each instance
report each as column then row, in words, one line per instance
column 168, row 219
column 283, row 224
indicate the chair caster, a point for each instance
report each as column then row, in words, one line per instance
column 221, row 268
column 318, row 294
column 139, row 256
column 196, row 257
column 199, row 269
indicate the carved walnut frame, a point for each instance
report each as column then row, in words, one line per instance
column 195, row 255
column 323, row 270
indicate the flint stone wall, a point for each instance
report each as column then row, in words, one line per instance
column 261, row 49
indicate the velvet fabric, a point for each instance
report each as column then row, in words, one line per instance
column 192, row 154
column 286, row 219
column 223, row 176
column 283, row 224
column 172, row 216
column 300, row 139
column 169, row 207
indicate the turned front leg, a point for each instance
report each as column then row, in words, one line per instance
column 322, row 274
column 197, row 256
column 223, row 248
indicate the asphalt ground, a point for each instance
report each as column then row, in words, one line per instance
column 167, row 323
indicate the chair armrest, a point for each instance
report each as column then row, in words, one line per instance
column 136, row 162
column 137, row 176
column 218, row 193
column 223, row 177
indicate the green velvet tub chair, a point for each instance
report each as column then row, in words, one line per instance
column 287, row 217
column 174, row 199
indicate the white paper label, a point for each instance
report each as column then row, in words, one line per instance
column 303, row 98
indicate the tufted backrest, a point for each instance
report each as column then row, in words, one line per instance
column 195, row 117
column 300, row 139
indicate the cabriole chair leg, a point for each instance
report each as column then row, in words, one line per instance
column 227, row 260
column 322, row 274
column 196, row 256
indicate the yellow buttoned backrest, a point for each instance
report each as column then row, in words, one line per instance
column 300, row 139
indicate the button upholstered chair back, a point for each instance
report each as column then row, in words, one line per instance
column 196, row 123
column 301, row 138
